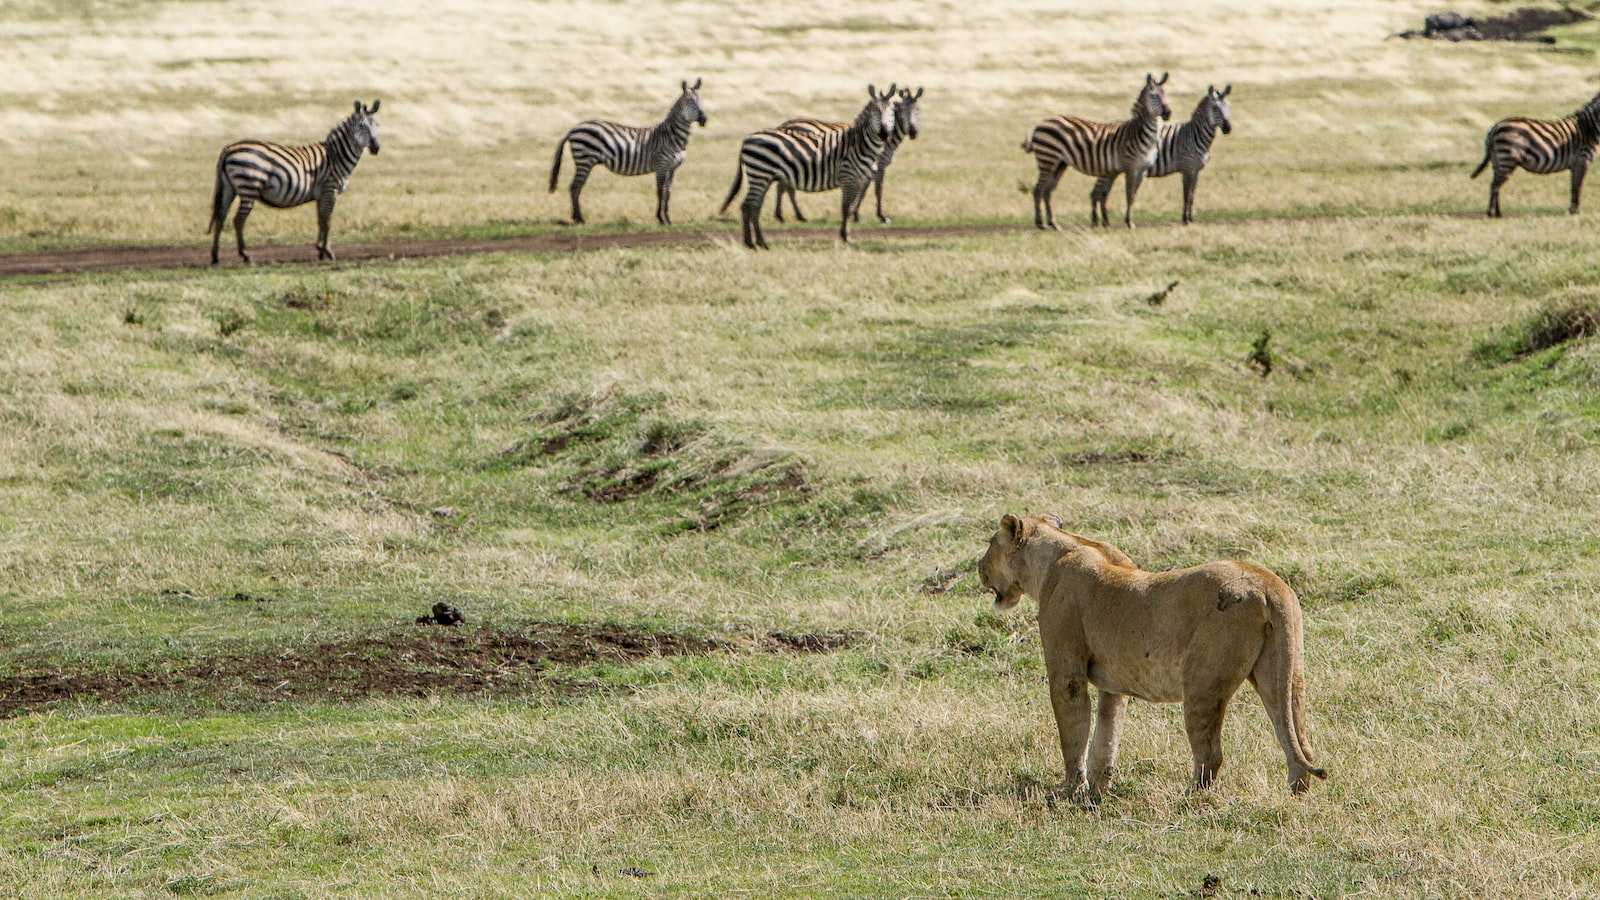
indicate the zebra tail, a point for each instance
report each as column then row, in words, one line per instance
column 738, row 182
column 555, row 170
column 1027, row 145
column 1481, row 166
column 219, row 201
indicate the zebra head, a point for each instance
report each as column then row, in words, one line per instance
column 877, row 118
column 1218, row 115
column 363, row 128
column 907, row 115
column 1152, row 100
column 688, row 108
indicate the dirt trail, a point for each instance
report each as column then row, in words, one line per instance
column 196, row 255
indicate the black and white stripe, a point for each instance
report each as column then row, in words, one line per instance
column 814, row 161
column 1099, row 148
column 1541, row 146
column 283, row 176
column 907, row 121
column 632, row 150
column 1183, row 148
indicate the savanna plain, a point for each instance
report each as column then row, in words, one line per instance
column 711, row 515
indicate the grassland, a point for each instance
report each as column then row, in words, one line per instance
column 699, row 441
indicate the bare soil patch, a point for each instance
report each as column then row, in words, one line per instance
column 196, row 256
column 417, row 661
column 1525, row 24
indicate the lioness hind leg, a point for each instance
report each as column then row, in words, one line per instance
column 1107, row 734
column 1203, row 720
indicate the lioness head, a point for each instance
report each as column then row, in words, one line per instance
column 998, row 570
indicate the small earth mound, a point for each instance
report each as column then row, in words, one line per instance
column 1525, row 24
column 403, row 662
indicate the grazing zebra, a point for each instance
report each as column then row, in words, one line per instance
column 281, row 176
column 631, row 150
column 1184, row 148
column 907, row 120
column 1541, row 146
column 1099, row 148
column 814, row 161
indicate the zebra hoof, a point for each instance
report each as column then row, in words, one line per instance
column 883, row 219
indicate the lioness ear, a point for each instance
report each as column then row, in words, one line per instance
column 1056, row 521
column 1011, row 525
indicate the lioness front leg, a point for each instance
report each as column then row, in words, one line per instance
column 1103, row 752
column 1069, row 695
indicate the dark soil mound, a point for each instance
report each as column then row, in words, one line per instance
column 408, row 662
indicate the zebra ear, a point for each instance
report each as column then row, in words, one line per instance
column 374, row 107
column 889, row 92
column 696, row 85
column 1163, row 78
column 872, row 92
column 1226, row 91
column 918, row 94
column 358, row 106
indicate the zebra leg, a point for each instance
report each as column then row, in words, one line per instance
column 1041, row 194
column 751, row 209
column 777, row 208
column 877, row 189
column 245, row 205
column 1578, row 171
column 324, row 219
column 794, row 202
column 847, row 205
column 1190, row 179
column 580, row 175
column 1500, row 178
column 663, row 196
column 1097, row 199
column 1132, row 188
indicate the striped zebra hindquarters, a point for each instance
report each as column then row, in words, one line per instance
column 285, row 176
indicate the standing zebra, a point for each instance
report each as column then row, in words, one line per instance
column 282, row 177
column 1541, row 146
column 631, row 150
column 1183, row 148
column 907, row 119
column 814, row 161
column 1099, row 148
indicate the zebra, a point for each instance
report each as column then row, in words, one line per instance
column 282, row 176
column 1184, row 148
column 907, row 120
column 632, row 150
column 1099, row 148
column 1542, row 146
column 814, row 161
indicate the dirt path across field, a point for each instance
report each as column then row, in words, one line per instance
column 197, row 255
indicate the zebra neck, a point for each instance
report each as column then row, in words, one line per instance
column 674, row 129
column 343, row 151
column 1201, row 131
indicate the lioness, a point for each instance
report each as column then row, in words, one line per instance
column 1190, row 635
